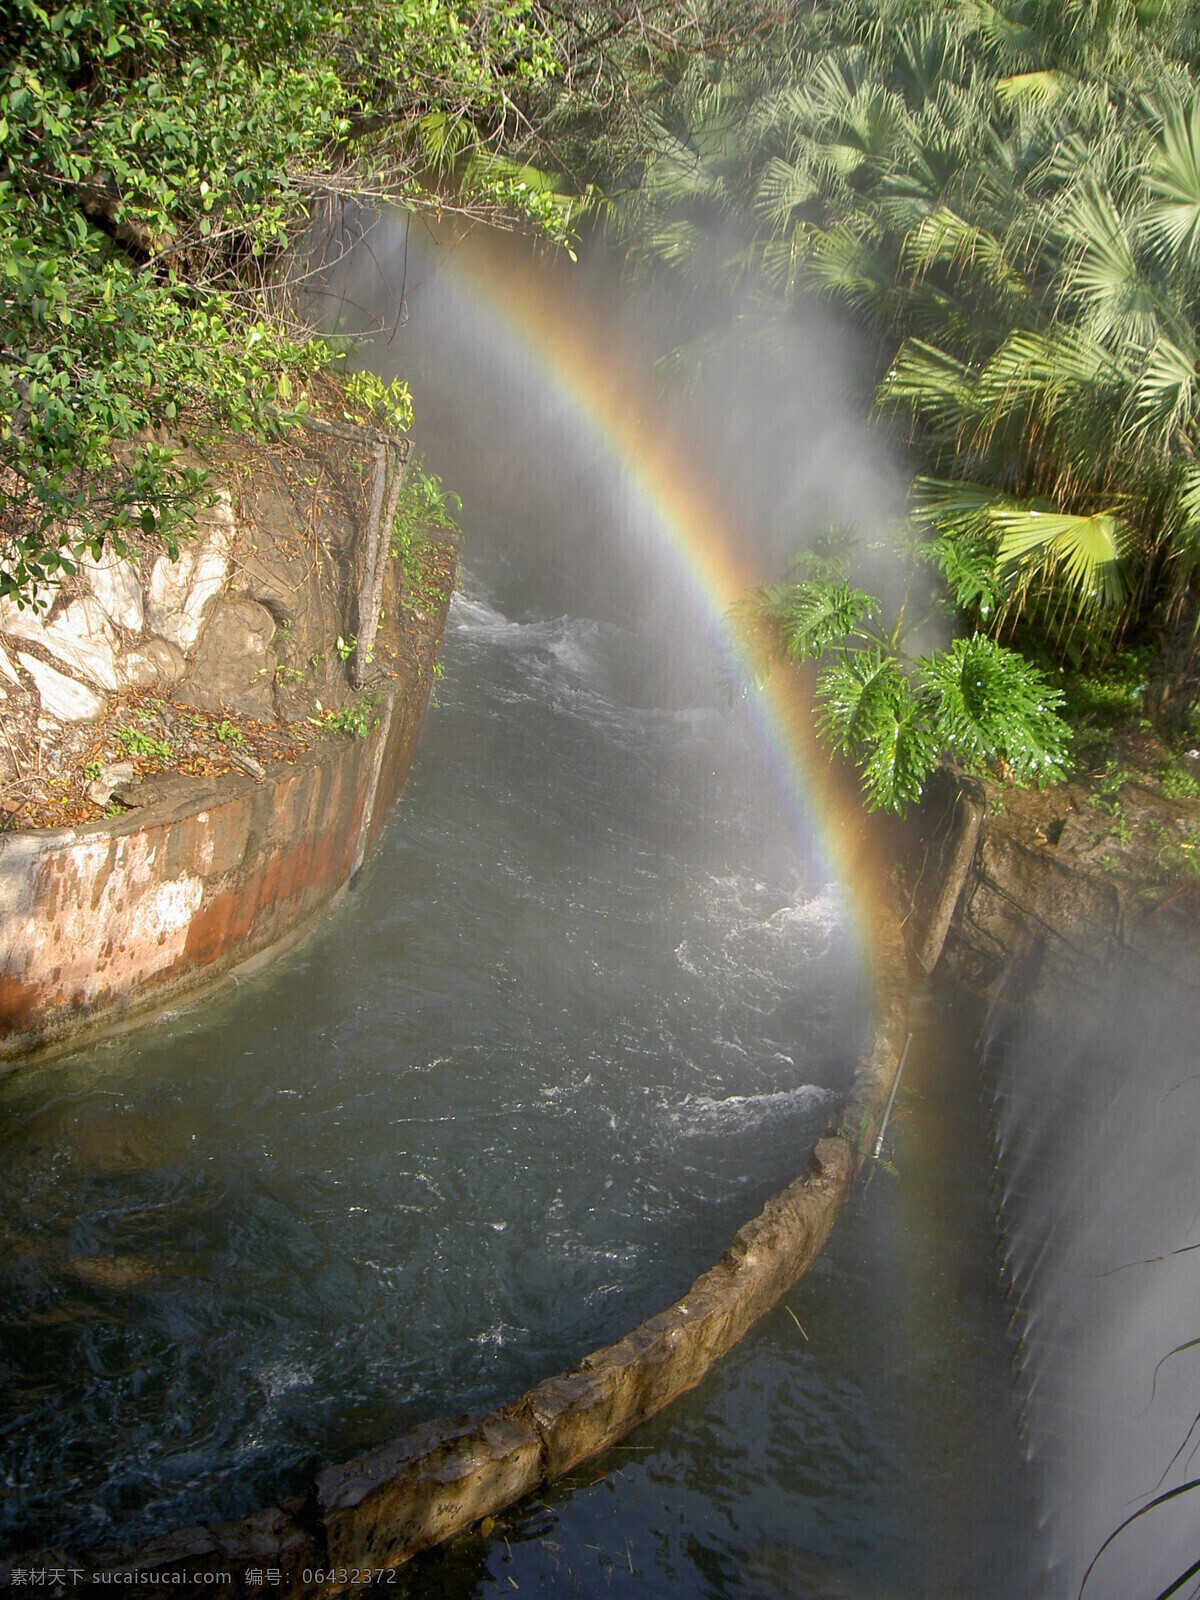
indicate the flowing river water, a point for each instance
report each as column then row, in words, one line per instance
column 582, row 1016
column 587, row 1008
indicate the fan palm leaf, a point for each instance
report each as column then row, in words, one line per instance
column 1170, row 224
column 924, row 54
column 1008, row 39
column 1032, row 88
column 1054, row 377
column 841, row 264
column 1102, row 282
column 1083, row 557
column 1184, row 540
column 934, row 387
column 944, row 238
column 867, row 132
column 1162, row 401
column 783, row 187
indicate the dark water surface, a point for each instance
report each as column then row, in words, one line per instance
column 578, row 1022
column 583, row 1015
column 869, row 1453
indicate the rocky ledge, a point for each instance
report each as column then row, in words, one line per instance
column 1025, row 895
column 195, row 725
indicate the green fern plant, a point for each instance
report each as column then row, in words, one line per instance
column 894, row 714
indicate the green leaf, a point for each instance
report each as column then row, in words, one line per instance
column 1102, row 279
column 1085, row 552
column 933, row 386
column 991, row 704
column 1038, row 87
column 813, row 615
column 1082, row 554
column 970, row 571
column 868, row 711
column 943, row 238
column 1171, row 223
column 845, row 267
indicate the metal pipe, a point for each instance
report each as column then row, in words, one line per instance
column 892, row 1098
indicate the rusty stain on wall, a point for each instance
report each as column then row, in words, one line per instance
column 101, row 922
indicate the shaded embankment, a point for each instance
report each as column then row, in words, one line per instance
column 1092, row 966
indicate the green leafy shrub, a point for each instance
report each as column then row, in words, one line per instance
column 136, row 743
column 1177, row 784
column 895, row 715
column 156, row 166
column 226, row 732
column 356, row 718
column 423, row 502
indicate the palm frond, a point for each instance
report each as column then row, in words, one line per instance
column 1045, row 375
column 945, row 239
column 844, row 266
column 1102, row 281
column 934, row 388
column 1008, row 38
column 677, row 242
column 954, row 510
column 1084, row 557
column 1083, row 554
column 1184, row 539
column 1170, row 224
column 1162, row 400
column 1032, row 88
column 783, row 187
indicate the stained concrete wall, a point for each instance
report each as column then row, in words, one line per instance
column 100, row 923
column 1032, row 899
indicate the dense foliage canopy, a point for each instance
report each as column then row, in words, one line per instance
column 157, row 165
column 1008, row 196
column 154, row 164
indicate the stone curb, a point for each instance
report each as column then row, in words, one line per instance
column 383, row 1507
column 103, row 924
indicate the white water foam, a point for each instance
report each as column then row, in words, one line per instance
column 702, row 1114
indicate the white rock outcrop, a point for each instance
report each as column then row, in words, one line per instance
column 154, row 662
column 115, row 583
column 181, row 591
column 80, row 639
column 83, row 639
column 18, row 624
column 62, row 697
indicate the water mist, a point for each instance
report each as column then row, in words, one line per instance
column 1095, row 1115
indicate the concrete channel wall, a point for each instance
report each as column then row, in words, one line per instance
column 1029, row 899
column 101, row 923
column 376, row 1511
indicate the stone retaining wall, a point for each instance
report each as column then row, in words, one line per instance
column 381, row 1508
column 103, row 922
column 1033, row 899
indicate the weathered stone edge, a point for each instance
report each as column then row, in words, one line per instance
column 343, row 791
column 383, row 1507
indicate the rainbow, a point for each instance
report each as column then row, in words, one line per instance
column 530, row 310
